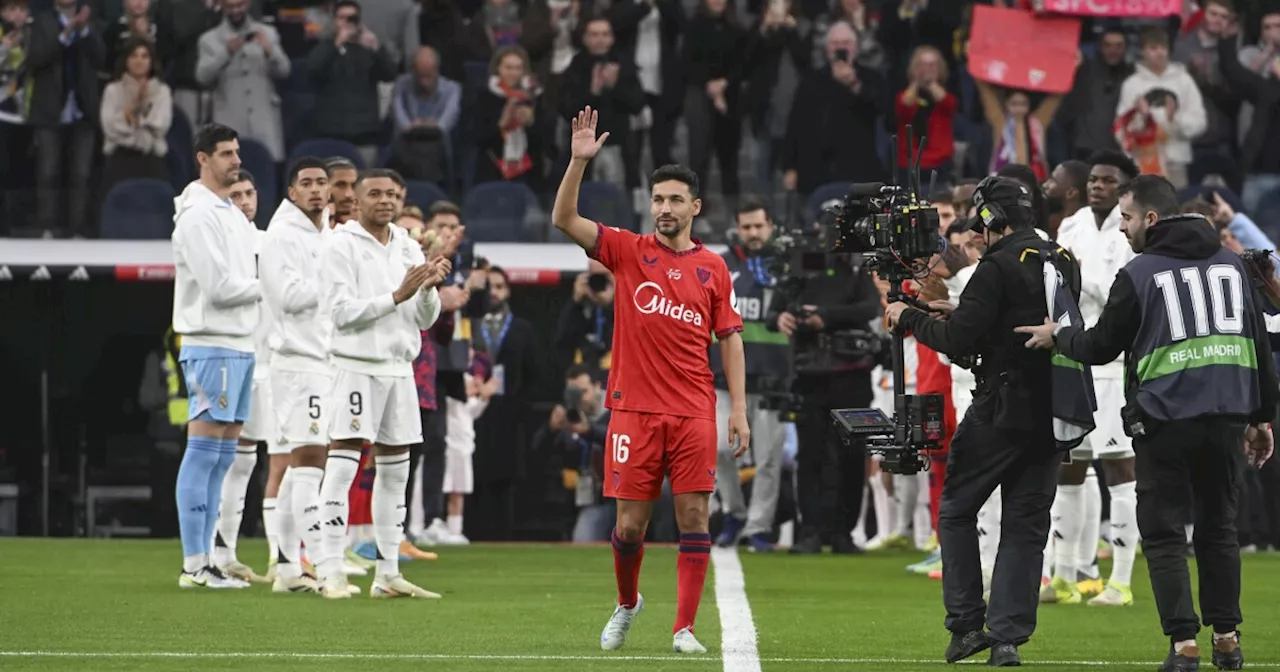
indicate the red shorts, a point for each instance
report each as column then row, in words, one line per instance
column 643, row 447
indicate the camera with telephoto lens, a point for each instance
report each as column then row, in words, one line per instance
column 899, row 237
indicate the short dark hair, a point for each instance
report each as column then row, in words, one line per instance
column 678, row 173
column 443, row 208
column 1153, row 36
column 500, row 271
column 1225, row 4
column 577, row 370
column 246, row 176
column 753, row 203
column 211, row 135
column 302, row 164
column 378, row 173
column 1153, row 193
column 1115, row 30
column 345, row 3
column 1116, row 159
column 126, row 51
column 1077, row 174
column 941, row 196
column 336, row 163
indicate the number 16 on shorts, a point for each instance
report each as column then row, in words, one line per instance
column 621, row 448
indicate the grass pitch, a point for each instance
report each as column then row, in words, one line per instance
column 115, row 605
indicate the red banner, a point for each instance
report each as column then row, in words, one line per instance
column 1143, row 8
column 1020, row 50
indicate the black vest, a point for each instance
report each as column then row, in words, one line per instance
column 1194, row 351
column 767, row 351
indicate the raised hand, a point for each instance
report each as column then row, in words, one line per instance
column 583, row 143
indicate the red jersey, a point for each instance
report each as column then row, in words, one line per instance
column 666, row 306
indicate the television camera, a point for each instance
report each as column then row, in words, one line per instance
column 898, row 234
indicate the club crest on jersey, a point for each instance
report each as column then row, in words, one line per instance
column 674, row 273
column 704, row 275
column 355, row 424
column 315, row 428
column 649, row 261
column 650, row 299
column 222, row 401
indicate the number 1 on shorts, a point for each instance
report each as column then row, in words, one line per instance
column 621, row 448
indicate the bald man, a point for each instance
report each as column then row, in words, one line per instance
column 425, row 100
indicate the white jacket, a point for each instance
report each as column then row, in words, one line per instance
column 266, row 324
column 215, row 285
column 289, row 265
column 1100, row 253
column 1188, row 122
column 371, row 334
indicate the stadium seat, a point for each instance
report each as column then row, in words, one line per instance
column 823, row 194
column 500, row 212
column 325, row 148
column 180, row 161
column 257, row 159
column 423, row 194
column 138, row 210
column 604, row 202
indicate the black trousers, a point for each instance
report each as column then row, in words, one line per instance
column 1192, row 465
column 829, row 475
column 712, row 132
column 431, row 450
column 1026, row 469
column 64, row 164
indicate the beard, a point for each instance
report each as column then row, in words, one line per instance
column 1057, row 204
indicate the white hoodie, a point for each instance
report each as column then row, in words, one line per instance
column 1100, row 253
column 266, row 323
column 461, row 430
column 289, row 265
column 1188, row 122
column 215, row 286
column 371, row 334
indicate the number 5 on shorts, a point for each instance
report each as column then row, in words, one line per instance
column 621, row 448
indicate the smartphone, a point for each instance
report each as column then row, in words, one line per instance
column 572, row 398
column 842, row 55
column 597, row 282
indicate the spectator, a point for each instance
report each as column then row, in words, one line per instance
column 1090, row 109
column 137, row 109
column 1017, row 131
column 15, row 22
column 578, row 430
column 426, row 108
column 559, row 19
column 649, row 32
column 64, row 55
column 180, row 23
column 1262, row 57
column 441, row 25
column 1260, row 156
column 713, row 48
column 584, row 334
column 498, row 25
column 135, row 22
column 778, row 57
column 239, row 59
column 929, row 109
column 832, row 126
column 1213, row 150
column 395, row 23
column 936, row 23
column 865, row 24
column 1160, row 111
column 509, row 132
column 345, row 68
column 605, row 80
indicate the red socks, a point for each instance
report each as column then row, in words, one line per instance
column 627, row 556
column 691, row 575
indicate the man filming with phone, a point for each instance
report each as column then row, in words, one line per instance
column 585, row 331
column 577, row 431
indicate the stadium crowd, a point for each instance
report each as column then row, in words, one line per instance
column 470, row 100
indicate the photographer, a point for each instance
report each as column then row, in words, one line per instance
column 585, row 331
column 1007, row 437
column 577, row 430
column 766, row 358
column 830, row 475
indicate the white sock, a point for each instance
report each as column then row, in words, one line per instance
column 416, row 512
column 1124, row 531
column 287, row 556
column 1087, row 552
column 904, row 497
column 231, row 511
column 922, row 526
column 1068, row 512
column 271, row 524
column 194, row 563
column 1046, row 567
column 388, row 504
column 885, row 509
column 339, row 473
column 359, row 534
column 989, row 517
column 305, row 510
column 455, row 525
column 859, row 530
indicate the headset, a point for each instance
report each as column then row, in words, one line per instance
column 991, row 213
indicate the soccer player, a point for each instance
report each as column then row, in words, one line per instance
column 300, row 375
column 215, row 310
column 673, row 294
column 381, row 292
column 244, row 195
column 1094, row 237
column 342, row 193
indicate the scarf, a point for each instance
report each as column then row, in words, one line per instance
column 515, row 160
column 1141, row 137
column 1006, row 151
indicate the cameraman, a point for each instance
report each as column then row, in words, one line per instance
column 1006, row 438
column 577, row 431
column 830, row 475
column 584, row 334
column 766, row 357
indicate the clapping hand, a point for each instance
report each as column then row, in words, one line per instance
column 439, row 270
column 1258, row 444
column 584, row 144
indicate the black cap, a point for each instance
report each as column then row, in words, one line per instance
column 1002, row 191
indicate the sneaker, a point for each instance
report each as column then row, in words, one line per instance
column 1187, row 661
column 759, row 543
column 929, row 564
column 931, row 545
column 615, row 631
column 409, row 552
column 239, row 570
column 935, row 574
column 1060, row 591
column 299, row 584
column 1004, row 655
column 451, row 539
column 964, row 645
column 352, row 569
column 1114, row 595
column 355, row 559
column 685, row 642
column 336, row 587
column 1227, row 654
column 270, row 576
column 893, row 542
column 729, row 533
column 1091, row 586
column 209, row 577
column 397, row 586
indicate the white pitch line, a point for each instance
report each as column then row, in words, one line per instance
column 287, row 655
column 737, row 628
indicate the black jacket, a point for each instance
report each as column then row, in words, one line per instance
column 831, row 133
column 1264, row 94
column 346, row 82
column 45, row 60
column 1117, row 327
column 626, row 16
column 615, row 104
